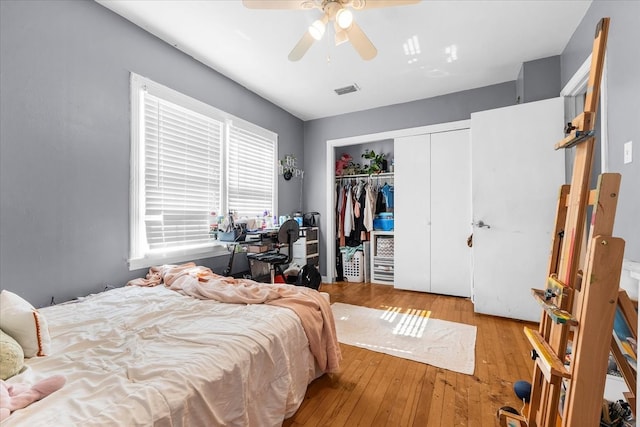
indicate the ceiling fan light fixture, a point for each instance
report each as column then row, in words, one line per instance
column 317, row 29
column 344, row 18
column 338, row 11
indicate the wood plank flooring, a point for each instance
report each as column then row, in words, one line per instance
column 375, row 389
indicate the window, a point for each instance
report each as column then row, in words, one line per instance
column 189, row 159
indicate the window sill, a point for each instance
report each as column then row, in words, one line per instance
column 216, row 249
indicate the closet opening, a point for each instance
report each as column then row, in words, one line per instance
column 363, row 202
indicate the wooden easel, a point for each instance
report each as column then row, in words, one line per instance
column 629, row 314
column 583, row 281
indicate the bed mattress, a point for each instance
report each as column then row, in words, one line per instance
column 150, row 356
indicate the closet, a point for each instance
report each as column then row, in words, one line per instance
column 359, row 200
column 433, row 213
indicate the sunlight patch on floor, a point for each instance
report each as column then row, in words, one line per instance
column 412, row 321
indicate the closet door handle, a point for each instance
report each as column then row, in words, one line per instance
column 481, row 224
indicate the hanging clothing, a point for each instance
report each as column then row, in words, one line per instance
column 387, row 191
column 357, row 203
column 343, row 198
column 348, row 213
column 369, row 207
column 359, row 231
column 339, row 205
column 381, row 206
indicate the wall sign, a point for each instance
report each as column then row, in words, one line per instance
column 287, row 167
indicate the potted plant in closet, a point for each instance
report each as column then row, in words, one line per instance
column 377, row 162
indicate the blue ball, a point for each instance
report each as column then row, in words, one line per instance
column 522, row 390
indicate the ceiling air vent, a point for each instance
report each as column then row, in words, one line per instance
column 347, row 89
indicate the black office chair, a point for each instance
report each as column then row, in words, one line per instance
column 287, row 235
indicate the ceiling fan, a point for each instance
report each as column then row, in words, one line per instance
column 336, row 11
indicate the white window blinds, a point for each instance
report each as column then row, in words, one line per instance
column 251, row 177
column 182, row 173
column 189, row 159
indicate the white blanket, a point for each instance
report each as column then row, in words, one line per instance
column 150, row 356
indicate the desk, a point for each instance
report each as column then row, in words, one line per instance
column 267, row 264
column 287, row 235
column 250, row 237
column 269, row 235
column 259, row 266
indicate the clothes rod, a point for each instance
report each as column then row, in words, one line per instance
column 373, row 175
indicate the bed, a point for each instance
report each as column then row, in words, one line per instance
column 157, row 355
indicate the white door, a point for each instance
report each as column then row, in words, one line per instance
column 412, row 234
column 516, row 176
column 432, row 213
column 450, row 213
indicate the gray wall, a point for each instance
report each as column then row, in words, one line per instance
column 623, row 87
column 538, row 79
column 64, row 133
column 441, row 109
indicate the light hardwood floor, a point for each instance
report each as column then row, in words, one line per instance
column 374, row 389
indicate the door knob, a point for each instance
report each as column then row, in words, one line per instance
column 481, row 224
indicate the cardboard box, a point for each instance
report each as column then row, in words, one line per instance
column 256, row 249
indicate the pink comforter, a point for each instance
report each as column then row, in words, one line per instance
column 313, row 310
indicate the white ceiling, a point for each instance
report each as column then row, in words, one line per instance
column 493, row 38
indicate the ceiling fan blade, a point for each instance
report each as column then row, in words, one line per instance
column 302, row 47
column 361, row 42
column 278, row 4
column 371, row 4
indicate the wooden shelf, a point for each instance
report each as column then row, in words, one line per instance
column 546, row 359
column 558, row 315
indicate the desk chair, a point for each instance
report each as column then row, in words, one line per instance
column 287, row 235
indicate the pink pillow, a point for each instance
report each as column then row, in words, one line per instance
column 25, row 324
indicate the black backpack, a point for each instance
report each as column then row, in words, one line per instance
column 309, row 276
column 311, row 219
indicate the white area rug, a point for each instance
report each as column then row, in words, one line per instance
column 410, row 334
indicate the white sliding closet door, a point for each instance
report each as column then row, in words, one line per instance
column 412, row 199
column 451, row 213
column 433, row 213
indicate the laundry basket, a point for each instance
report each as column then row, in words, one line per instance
column 353, row 269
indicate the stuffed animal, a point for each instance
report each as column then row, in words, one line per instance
column 341, row 163
column 18, row 396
